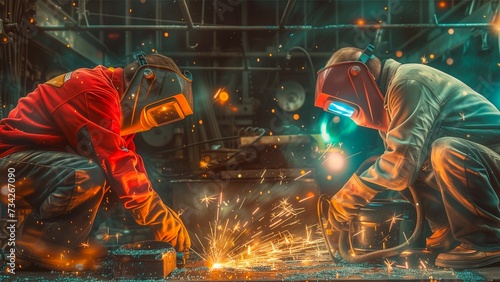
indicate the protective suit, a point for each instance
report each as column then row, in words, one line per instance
column 442, row 137
column 65, row 144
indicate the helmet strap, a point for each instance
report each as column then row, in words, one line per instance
column 367, row 54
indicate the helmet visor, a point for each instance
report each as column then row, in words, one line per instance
column 157, row 95
column 348, row 89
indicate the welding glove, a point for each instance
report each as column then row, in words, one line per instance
column 164, row 222
column 344, row 205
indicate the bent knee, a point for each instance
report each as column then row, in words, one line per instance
column 446, row 148
column 90, row 178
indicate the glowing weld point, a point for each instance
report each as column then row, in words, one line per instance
column 217, row 265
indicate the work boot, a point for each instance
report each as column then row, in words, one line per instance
column 22, row 264
column 441, row 241
column 93, row 247
column 30, row 249
column 463, row 256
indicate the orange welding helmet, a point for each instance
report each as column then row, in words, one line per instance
column 349, row 89
column 156, row 95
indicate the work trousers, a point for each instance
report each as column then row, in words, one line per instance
column 460, row 187
column 63, row 191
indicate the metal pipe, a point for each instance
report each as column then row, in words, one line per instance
column 287, row 12
column 185, row 12
column 231, row 68
column 222, row 54
column 128, row 34
column 256, row 28
column 432, row 12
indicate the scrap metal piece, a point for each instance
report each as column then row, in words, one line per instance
column 144, row 260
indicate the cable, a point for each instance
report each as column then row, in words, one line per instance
column 331, row 249
column 344, row 237
column 344, row 249
column 309, row 60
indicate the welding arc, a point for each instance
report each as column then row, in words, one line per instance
column 344, row 234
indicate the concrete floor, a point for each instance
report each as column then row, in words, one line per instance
column 321, row 269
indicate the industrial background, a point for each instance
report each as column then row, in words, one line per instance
column 254, row 67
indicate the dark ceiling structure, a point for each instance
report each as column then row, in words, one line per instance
column 254, row 63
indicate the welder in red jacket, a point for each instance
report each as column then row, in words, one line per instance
column 71, row 140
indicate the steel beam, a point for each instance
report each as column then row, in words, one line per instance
column 185, row 12
column 287, row 12
column 266, row 28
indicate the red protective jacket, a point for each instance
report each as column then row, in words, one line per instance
column 80, row 112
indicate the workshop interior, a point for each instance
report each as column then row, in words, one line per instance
column 251, row 168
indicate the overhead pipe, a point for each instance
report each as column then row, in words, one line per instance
column 223, row 54
column 287, row 12
column 266, row 28
column 243, row 68
column 185, row 12
column 446, row 15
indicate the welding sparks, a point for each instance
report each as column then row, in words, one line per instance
column 393, row 220
column 389, row 264
column 307, row 198
column 423, row 264
column 208, row 199
column 181, row 211
column 282, row 177
column 85, row 245
column 328, row 146
column 233, row 243
column 299, row 177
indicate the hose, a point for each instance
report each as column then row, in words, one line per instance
column 344, row 247
column 320, row 220
column 344, row 236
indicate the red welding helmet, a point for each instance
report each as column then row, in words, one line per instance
column 348, row 89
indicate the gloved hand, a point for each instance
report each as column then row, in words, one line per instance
column 344, row 205
column 164, row 222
